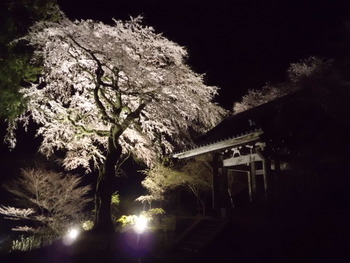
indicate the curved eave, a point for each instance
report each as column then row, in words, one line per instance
column 248, row 137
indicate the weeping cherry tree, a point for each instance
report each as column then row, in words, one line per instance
column 112, row 91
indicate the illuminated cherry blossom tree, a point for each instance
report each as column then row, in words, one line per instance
column 111, row 91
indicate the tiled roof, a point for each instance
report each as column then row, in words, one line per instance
column 269, row 117
column 287, row 118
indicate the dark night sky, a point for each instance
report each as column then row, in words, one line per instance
column 239, row 44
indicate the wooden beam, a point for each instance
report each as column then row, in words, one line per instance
column 215, row 181
column 252, row 136
column 243, row 159
column 253, row 182
column 250, row 187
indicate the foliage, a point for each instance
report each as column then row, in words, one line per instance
column 115, row 199
column 26, row 243
column 15, row 19
column 160, row 179
column 15, row 70
column 298, row 74
column 195, row 175
column 129, row 220
column 49, row 201
column 18, row 16
column 126, row 220
column 155, row 211
column 257, row 97
column 199, row 179
column 88, row 225
column 115, row 206
column 14, row 213
column 307, row 68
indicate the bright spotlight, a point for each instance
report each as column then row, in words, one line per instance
column 71, row 235
column 140, row 224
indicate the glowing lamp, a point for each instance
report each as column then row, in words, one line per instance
column 140, row 225
column 71, row 235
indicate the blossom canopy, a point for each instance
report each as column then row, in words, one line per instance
column 123, row 81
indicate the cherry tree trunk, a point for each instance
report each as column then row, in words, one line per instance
column 104, row 190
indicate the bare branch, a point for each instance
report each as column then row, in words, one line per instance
column 88, row 131
column 53, row 201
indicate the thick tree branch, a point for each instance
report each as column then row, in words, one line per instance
column 122, row 160
column 88, row 131
column 133, row 115
column 118, row 102
column 100, row 105
column 114, row 105
column 118, row 129
column 99, row 74
column 99, row 71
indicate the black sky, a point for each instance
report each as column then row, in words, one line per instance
column 239, row 44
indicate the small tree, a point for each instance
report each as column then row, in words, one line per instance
column 199, row 179
column 51, row 202
column 195, row 176
column 159, row 180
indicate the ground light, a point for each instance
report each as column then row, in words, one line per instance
column 140, row 226
column 73, row 233
column 71, row 236
column 141, row 223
